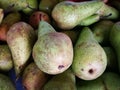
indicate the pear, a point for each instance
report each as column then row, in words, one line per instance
column 6, row 83
column 115, row 40
column 101, row 31
column 90, row 59
column 63, row 81
column 69, row 14
column 53, row 51
column 20, row 38
column 107, row 81
column 33, row 78
column 6, row 61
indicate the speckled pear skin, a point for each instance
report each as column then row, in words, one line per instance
column 69, row 14
column 53, row 51
column 20, row 39
column 63, row 81
column 89, row 60
column 115, row 40
column 6, row 83
column 6, row 61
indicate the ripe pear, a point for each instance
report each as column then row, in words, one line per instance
column 115, row 40
column 107, row 81
column 63, row 81
column 90, row 59
column 33, row 78
column 53, row 51
column 20, row 38
column 6, row 83
column 68, row 14
column 6, row 61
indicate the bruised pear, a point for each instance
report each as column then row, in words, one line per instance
column 69, row 14
column 6, row 83
column 53, row 51
column 20, row 39
column 33, row 78
column 63, row 81
column 6, row 62
column 90, row 59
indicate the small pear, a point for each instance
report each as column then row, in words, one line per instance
column 90, row 59
column 53, row 51
column 63, row 81
column 20, row 38
column 6, row 61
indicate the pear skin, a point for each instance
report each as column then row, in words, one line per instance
column 33, row 78
column 6, row 83
column 63, row 81
column 53, row 51
column 90, row 59
column 20, row 38
column 6, row 61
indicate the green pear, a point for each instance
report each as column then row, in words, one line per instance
column 33, row 78
column 6, row 61
column 69, row 14
column 115, row 40
column 63, row 81
column 107, row 81
column 101, row 31
column 112, row 62
column 20, row 38
column 6, row 83
column 53, row 51
column 90, row 59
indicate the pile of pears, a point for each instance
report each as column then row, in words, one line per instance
column 60, row 44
